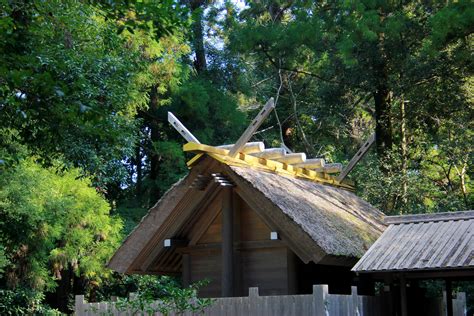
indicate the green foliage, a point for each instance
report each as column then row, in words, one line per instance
column 89, row 83
column 385, row 190
column 172, row 166
column 159, row 17
column 328, row 61
column 210, row 113
column 23, row 301
column 67, row 85
column 52, row 221
column 146, row 290
column 164, row 295
column 3, row 259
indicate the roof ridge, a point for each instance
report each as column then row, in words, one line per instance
column 431, row 217
column 269, row 164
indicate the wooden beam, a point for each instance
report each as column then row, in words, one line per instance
column 270, row 153
column 249, row 148
column 461, row 274
column 222, row 180
column 291, row 159
column 173, row 243
column 252, row 128
column 238, row 245
column 449, row 298
column 194, row 160
column 311, row 163
column 200, row 148
column 436, row 217
column 227, row 243
column 357, row 157
column 237, row 253
column 403, row 296
column 330, row 168
column 173, row 120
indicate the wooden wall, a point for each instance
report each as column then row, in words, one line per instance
column 266, row 269
column 259, row 261
column 252, row 228
column 206, row 265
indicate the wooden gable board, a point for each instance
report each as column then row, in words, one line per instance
column 145, row 235
column 173, row 222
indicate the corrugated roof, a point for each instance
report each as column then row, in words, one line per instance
column 422, row 242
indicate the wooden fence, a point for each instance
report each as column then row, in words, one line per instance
column 320, row 303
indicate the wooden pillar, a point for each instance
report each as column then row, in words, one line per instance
column 186, row 266
column 449, row 298
column 238, row 291
column 291, row 272
column 227, row 243
column 403, row 296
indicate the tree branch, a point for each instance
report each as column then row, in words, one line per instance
column 298, row 70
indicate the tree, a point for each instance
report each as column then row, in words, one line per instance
column 57, row 233
column 69, row 87
column 193, row 93
column 344, row 68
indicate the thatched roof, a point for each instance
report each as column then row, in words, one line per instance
column 320, row 223
column 341, row 223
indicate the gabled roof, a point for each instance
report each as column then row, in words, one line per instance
column 421, row 243
column 320, row 223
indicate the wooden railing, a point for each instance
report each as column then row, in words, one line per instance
column 320, row 303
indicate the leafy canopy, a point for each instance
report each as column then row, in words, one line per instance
column 51, row 221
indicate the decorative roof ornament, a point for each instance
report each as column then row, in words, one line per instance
column 276, row 160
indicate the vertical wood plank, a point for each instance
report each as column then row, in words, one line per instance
column 320, row 292
column 186, row 266
column 238, row 289
column 79, row 303
column 354, row 301
column 319, row 303
column 253, row 301
column 102, row 308
column 227, row 243
column 291, row 268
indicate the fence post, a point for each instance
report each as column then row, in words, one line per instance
column 253, row 301
column 320, row 293
column 79, row 305
column 444, row 304
column 460, row 304
column 355, row 302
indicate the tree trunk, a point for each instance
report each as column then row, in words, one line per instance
column 138, row 163
column 64, row 290
column 197, row 9
column 404, row 153
column 154, row 137
column 79, row 285
column 383, row 127
column 383, row 102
